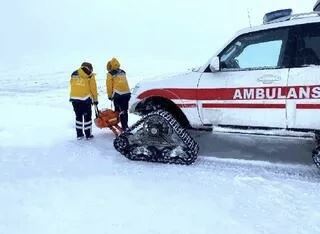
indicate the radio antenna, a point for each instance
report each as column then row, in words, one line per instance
column 249, row 17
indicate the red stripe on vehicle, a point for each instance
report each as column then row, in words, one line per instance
column 246, row 93
column 308, row 106
column 244, row 105
column 187, row 105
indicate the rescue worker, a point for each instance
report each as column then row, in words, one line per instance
column 83, row 93
column 118, row 90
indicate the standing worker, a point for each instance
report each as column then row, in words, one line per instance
column 118, row 90
column 83, row 94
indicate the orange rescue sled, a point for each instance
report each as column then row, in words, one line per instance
column 108, row 118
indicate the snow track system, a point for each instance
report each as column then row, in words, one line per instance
column 158, row 137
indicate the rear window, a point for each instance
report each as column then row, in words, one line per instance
column 307, row 45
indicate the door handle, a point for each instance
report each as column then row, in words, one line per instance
column 269, row 79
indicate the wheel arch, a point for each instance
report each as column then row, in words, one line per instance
column 158, row 102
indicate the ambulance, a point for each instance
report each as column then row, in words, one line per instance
column 265, row 77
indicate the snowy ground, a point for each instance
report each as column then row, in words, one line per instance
column 51, row 183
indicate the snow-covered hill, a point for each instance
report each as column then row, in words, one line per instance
column 51, row 183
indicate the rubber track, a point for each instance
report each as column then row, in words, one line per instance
column 192, row 147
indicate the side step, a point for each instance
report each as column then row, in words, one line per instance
column 266, row 132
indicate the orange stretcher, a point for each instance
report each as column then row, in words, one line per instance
column 108, row 118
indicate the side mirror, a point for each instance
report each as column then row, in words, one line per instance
column 215, row 64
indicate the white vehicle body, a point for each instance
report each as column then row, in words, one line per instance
column 266, row 77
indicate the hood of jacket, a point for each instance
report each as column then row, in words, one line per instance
column 113, row 64
column 83, row 74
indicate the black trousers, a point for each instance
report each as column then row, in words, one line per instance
column 83, row 112
column 121, row 105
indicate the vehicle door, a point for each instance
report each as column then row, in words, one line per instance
column 303, row 106
column 248, row 88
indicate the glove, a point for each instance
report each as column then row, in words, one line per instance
column 95, row 103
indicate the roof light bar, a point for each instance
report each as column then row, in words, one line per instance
column 275, row 15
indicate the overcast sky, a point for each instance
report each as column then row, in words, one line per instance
column 188, row 29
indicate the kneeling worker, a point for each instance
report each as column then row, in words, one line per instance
column 118, row 90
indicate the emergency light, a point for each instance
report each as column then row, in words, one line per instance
column 277, row 15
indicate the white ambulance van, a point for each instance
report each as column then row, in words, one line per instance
column 266, row 77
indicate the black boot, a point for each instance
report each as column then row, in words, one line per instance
column 88, row 134
column 79, row 134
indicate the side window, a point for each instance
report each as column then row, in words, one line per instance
column 250, row 57
column 307, row 45
column 259, row 50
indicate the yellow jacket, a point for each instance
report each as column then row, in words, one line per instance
column 83, row 86
column 116, row 81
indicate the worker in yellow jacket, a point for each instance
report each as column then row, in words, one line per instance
column 118, row 90
column 83, row 93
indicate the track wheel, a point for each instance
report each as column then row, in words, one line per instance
column 166, row 153
column 121, row 144
column 152, row 153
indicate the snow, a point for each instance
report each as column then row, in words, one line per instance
column 51, row 183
